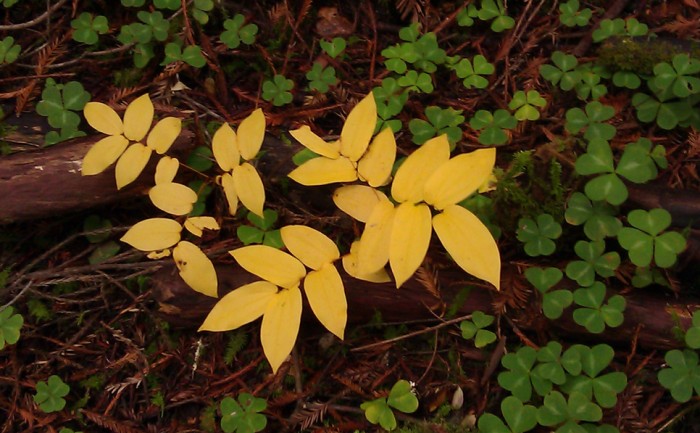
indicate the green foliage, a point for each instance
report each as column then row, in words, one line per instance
column 474, row 328
column 38, row 310
column 278, row 90
column 133, row 3
column 646, row 239
column 590, row 86
column 682, row 375
column 473, row 72
column 8, row 50
column 692, row 335
column 59, row 103
column 519, row 379
column 87, row 27
column 105, row 249
column 571, row 16
column 598, row 217
column 594, row 313
column 321, row 77
column 563, row 72
column 627, row 79
column 494, row 10
column 518, row 418
column 592, row 121
column 191, row 54
column 237, row 340
column 203, row 191
column 440, row 121
column 401, row 398
column 390, row 99
column 261, row 232
column 619, row 27
column 416, row 81
column 167, row 4
column 594, row 261
column 525, row 105
column 153, row 26
column 668, row 113
column 333, row 48
column 493, row 126
column 200, row 10
column 10, row 325
column 9, row 3
column 49, row 395
column 237, row 32
column 585, row 365
column 566, row 414
column 422, row 52
column 553, row 301
column 243, row 416
column 200, row 159
column 538, row 235
column 677, row 76
column 465, row 16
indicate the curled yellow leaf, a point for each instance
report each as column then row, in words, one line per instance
column 358, row 201
column 166, row 169
column 131, row 164
column 224, row 146
column 173, row 198
column 410, row 238
column 350, row 266
column 311, row 247
column 195, row 268
column 103, row 154
column 376, row 165
column 316, row 144
column 154, row 234
column 322, row 171
column 270, row 264
column 280, row 326
column 138, row 118
column 326, row 294
column 373, row 251
column 358, row 128
column 409, row 182
column 163, row 135
column 197, row 225
column 459, row 177
column 251, row 133
column 249, row 188
column 103, row 118
column 469, row 242
column 248, row 302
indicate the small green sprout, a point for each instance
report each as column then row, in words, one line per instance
column 278, row 90
column 401, row 398
column 594, row 261
column 59, row 103
column 538, row 235
column 598, row 217
column 553, row 301
column 261, row 231
column 564, row 72
column 682, row 376
column 9, row 51
column 595, row 313
column 518, row 417
column 440, row 121
column 592, row 121
column 571, row 16
column 473, row 72
column 647, row 238
column 333, row 48
column 236, row 32
column 474, row 328
column 10, row 325
column 191, row 54
column 49, row 395
column 243, row 416
column 87, row 27
column 493, row 126
column 525, row 105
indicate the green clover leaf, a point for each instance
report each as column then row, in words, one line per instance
column 87, row 27
column 474, row 329
column 278, row 90
column 553, row 301
column 519, row 418
column 472, row 72
column 598, row 218
column 493, row 126
column 594, row 261
column 243, row 416
column 49, row 395
column 525, row 105
column 678, row 76
column 692, row 335
column 10, row 325
column 261, row 232
column 592, row 120
column 645, row 240
column 538, row 235
column 594, row 314
column 415, row 81
column 563, row 72
column 682, row 375
column 440, row 121
column 333, row 48
column 519, row 379
column 236, row 32
column 571, row 16
column 8, row 50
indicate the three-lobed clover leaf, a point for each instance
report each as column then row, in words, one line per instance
column 639, row 161
column 10, row 325
column 278, row 90
column 549, row 363
column 557, row 410
column 553, row 301
column 334, row 47
column 494, row 10
column 590, row 85
column 646, row 239
column 261, row 231
column 571, row 16
column 59, row 103
column 538, row 235
column 608, row 186
column 518, row 379
column 493, row 126
column 518, row 417
column 627, row 79
column 9, row 51
column 678, row 76
column 472, row 72
column 474, row 328
column 682, row 376
column 595, row 313
column 594, row 261
column 564, row 72
column 525, row 105
column 592, row 121
column 390, row 99
column 416, row 81
column 49, row 395
column 598, row 217
column 243, row 416
column 200, row 10
column 86, row 27
column 667, row 113
column 401, row 397
column 321, row 77
column 237, row 32
column 619, row 27
column 440, row 121
column 692, row 335
column 191, row 54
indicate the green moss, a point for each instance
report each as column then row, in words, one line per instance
column 640, row 54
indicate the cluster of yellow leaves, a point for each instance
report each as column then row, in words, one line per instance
column 398, row 230
column 123, row 141
column 277, row 298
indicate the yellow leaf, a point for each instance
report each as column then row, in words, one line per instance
column 101, row 117
column 138, row 118
column 358, row 201
column 173, row 198
column 195, row 268
column 280, row 326
column 163, row 135
column 311, row 247
column 248, row 302
column 326, row 294
column 358, row 128
column 196, row 225
column 373, row 251
column 249, row 188
column 350, row 266
column 410, row 237
column 103, row 154
column 154, row 255
column 229, row 186
column 459, row 177
column 322, row 171
column 376, row 165
column 166, row 169
column 131, row 164
column 251, row 133
column 316, row 144
column 409, row 181
column 154, row 234
column 469, row 243
column 270, row 264
column 224, row 146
